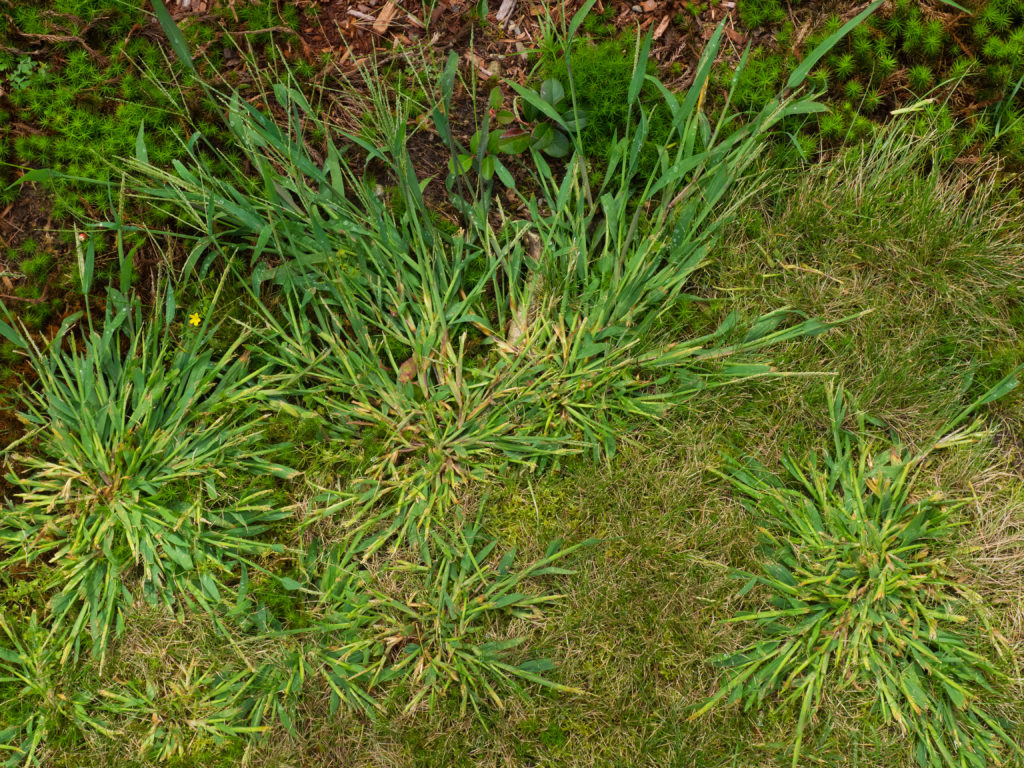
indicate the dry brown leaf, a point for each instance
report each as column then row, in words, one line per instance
column 737, row 38
column 384, row 18
column 487, row 70
column 661, row 28
column 408, row 370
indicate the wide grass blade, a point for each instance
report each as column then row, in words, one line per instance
column 177, row 40
column 798, row 75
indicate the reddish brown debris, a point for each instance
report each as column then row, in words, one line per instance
column 352, row 31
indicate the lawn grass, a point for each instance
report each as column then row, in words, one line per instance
column 642, row 616
column 922, row 261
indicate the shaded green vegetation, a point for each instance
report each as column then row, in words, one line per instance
column 601, row 74
column 80, row 110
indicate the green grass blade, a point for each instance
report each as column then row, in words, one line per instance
column 177, row 40
column 800, row 73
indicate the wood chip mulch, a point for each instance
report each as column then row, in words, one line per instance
column 354, row 31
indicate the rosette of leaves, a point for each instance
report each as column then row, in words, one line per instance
column 21, row 75
column 182, row 713
column 486, row 144
column 864, row 598
column 132, row 427
column 556, row 120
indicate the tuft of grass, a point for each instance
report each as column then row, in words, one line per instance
column 39, row 702
column 438, row 634
column 132, row 426
column 865, row 596
column 489, row 349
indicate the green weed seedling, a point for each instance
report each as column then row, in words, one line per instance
column 485, row 146
column 554, row 121
column 595, row 79
column 24, row 73
column 557, row 121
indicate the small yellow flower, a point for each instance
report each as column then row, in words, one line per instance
column 194, row 319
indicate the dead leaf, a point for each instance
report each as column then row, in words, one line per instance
column 661, row 28
column 384, row 18
column 736, row 37
column 487, row 70
column 408, row 370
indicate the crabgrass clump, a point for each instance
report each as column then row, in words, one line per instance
column 513, row 348
column 133, row 427
column 441, row 638
column 865, row 598
column 39, row 700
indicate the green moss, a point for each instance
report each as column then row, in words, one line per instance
column 760, row 80
column 920, row 78
column 760, row 13
column 601, row 74
column 872, row 102
column 8, row 353
column 600, row 24
column 982, row 56
column 37, row 267
column 831, row 125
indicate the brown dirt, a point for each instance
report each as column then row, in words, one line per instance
column 10, row 430
column 27, row 216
